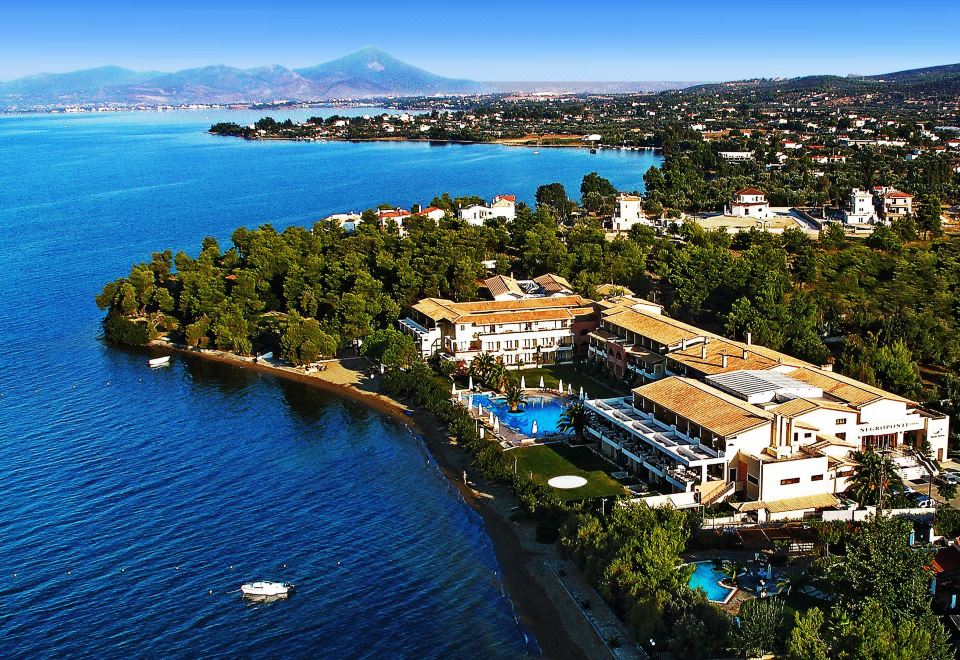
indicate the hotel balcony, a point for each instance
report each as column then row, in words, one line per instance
column 663, row 450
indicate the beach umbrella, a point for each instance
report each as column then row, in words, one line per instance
column 541, row 382
column 581, row 391
column 570, row 389
column 453, row 389
column 491, row 418
column 382, row 369
column 470, row 384
column 479, row 410
column 533, row 429
column 523, row 383
column 470, row 403
column 560, row 387
column 496, row 425
column 585, row 396
column 483, row 433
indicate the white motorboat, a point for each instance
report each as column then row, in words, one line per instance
column 159, row 362
column 265, row 589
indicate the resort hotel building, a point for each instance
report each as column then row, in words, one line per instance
column 531, row 330
column 710, row 417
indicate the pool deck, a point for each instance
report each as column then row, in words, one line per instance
column 508, row 438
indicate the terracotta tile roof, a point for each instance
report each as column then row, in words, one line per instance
column 553, row 283
column 797, row 407
column 439, row 308
column 613, row 289
column 661, row 329
column 706, row 406
column 843, row 387
column 506, row 198
column 947, row 559
column 748, row 191
column 821, row 501
column 519, row 316
column 499, row 285
column 713, row 363
column 896, row 194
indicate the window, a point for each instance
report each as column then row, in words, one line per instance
column 792, row 480
column 816, row 477
column 808, row 434
column 752, row 479
column 841, row 421
column 842, row 436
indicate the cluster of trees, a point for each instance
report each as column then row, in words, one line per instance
column 632, row 557
column 882, row 607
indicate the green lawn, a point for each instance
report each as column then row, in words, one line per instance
column 548, row 461
column 553, row 373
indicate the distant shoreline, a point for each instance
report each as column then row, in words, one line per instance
column 506, row 142
column 551, row 616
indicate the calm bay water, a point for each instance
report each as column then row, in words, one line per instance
column 134, row 502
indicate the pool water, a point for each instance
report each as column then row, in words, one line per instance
column 544, row 409
column 706, row 577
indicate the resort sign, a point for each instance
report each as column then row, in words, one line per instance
column 891, row 427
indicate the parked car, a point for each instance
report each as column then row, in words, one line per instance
column 951, row 476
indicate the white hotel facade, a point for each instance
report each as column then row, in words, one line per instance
column 712, row 417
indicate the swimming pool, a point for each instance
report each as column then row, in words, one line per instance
column 544, row 409
column 706, row 577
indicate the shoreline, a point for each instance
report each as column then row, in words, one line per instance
column 540, row 600
column 505, row 142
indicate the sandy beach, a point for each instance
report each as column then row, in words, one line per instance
column 543, row 603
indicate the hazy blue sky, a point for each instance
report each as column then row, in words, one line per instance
column 490, row 40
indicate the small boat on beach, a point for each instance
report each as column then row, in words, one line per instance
column 266, row 589
column 159, row 362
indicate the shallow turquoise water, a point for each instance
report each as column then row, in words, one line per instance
column 136, row 501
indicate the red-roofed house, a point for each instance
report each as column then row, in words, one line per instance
column 897, row 204
column 751, row 203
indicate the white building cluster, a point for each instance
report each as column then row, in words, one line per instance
column 712, row 417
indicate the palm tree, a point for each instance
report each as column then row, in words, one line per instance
column 574, row 418
column 875, row 473
column 498, row 376
column 515, row 395
column 480, row 365
column 784, row 584
column 731, row 571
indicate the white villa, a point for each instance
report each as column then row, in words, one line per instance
column 540, row 330
column 629, row 213
column 749, row 202
column 712, row 417
column 862, row 210
column 897, row 204
column 502, row 206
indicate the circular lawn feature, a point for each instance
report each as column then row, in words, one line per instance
column 567, row 481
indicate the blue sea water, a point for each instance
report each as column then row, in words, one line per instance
column 133, row 503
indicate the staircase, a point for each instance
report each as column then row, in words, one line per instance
column 716, row 491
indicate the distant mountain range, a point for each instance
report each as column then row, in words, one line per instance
column 370, row 73
column 364, row 74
